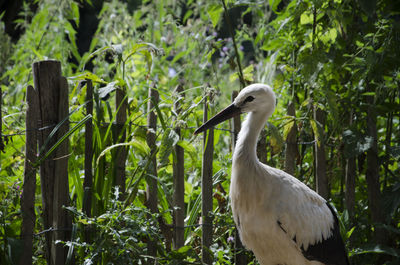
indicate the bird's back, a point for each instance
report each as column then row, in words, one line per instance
column 279, row 217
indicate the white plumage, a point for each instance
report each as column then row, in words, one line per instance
column 279, row 218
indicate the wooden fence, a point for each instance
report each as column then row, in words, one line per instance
column 48, row 110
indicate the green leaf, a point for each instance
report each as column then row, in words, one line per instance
column 104, row 92
column 139, row 145
column 214, row 11
column 378, row 249
column 189, row 148
column 288, row 127
column 272, row 45
column 276, row 139
column 168, row 141
column 317, row 129
column 274, row 4
column 306, row 18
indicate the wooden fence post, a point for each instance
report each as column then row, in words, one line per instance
column 240, row 254
column 1, row 123
column 207, row 191
column 29, row 186
column 88, row 180
column 62, row 222
column 121, row 103
column 52, row 91
column 179, row 183
column 151, row 190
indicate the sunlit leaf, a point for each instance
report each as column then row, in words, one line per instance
column 274, row 4
column 104, row 92
column 276, row 139
column 169, row 140
column 214, row 11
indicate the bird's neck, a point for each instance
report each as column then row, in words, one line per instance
column 246, row 145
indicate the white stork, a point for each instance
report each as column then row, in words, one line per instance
column 278, row 217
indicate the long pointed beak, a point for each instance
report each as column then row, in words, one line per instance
column 227, row 113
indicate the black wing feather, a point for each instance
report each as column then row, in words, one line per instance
column 330, row 251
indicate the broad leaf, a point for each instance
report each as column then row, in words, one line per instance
column 168, row 141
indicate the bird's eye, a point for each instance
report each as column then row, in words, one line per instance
column 249, row 99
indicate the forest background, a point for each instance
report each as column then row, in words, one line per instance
column 334, row 66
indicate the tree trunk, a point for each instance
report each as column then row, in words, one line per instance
column 350, row 175
column 372, row 174
column 320, row 158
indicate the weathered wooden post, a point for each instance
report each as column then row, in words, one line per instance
column 121, row 103
column 151, row 190
column 52, row 89
column 207, row 191
column 88, row 180
column 179, row 183
column 29, row 186
column 1, row 123
column 240, row 255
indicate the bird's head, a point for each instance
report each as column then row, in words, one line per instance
column 258, row 98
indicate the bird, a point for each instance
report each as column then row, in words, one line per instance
column 279, row 218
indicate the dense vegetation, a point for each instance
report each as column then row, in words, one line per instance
column 337, row 61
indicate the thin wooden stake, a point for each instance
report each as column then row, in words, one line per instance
column 240, row 252
column 179, row 184
column 207, row 191
column 151, row 190
column 88, row 181
column 29, row 186
column 120, row 176
column 1, row 123
column 62, row 222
